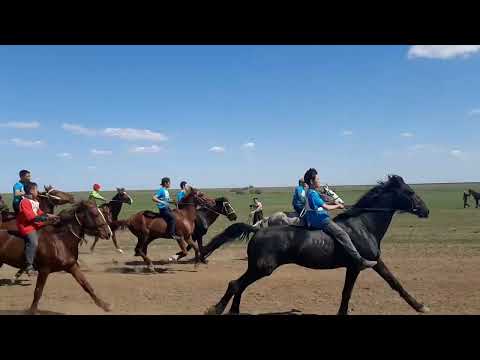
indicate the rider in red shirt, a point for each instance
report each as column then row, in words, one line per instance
column 30, row 219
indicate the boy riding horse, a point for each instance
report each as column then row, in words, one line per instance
column 19, row 189
column 162, row 199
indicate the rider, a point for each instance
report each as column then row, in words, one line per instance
column 95, row 195
column 19, row 189
column 299, row 197
column 466, row 194
column 162, row 198
column 30, row 219
column 317, row 217
column 181, row 193
column 257, row 211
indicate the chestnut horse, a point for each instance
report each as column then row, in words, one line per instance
column 148, row 226
column 48, row 200
column 58, row 247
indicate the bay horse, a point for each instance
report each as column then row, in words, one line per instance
column 114, row 208
column 206, row 216
column 48, row 200
column 148, row 226
column 366, row 223
column 58, row 248
column 475, row 195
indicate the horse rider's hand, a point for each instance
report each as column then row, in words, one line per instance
column 53, row 218
column 341, row 206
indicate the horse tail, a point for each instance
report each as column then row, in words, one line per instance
column 231, row 233
column 120, row 224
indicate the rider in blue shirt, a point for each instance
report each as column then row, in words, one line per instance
column 299, row 197
column 162, row 198
column 181, row 193
column 19, row 190
column 317, row 217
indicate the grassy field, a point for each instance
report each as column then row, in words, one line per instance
column 449, row 223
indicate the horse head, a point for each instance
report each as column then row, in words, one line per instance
column 88, row 217
column 57, row 197
column 123, row 196
column 224, row 207
column 396, row 195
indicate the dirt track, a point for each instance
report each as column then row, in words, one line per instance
column 447, row 279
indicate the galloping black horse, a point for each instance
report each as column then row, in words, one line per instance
column 366, row 223
column 114, row 207
column 475, row 195
column 206, row 216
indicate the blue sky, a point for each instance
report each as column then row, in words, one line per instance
column 225, row 116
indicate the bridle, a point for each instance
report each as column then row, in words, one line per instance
column 228, row 209
column 83, row 226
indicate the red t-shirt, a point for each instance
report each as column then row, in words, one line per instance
column 29, row 210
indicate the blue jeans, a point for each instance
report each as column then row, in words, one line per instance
column 166, row 214
column 31, row 245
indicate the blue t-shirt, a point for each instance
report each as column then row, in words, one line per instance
column 17, row 187
column 316, row 215
column 180, row 195
column 163, row 194
column 299, row 197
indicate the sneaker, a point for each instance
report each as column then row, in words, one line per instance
column 30, row 271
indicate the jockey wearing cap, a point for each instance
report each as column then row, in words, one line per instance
column 299, row 197
column 95, row 195
column 162, row 199
column 19, row 190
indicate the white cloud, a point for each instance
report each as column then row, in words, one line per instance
column 146, row 149
column 347, row 132
column 217, row 149
column 101, row 152
column 134, row 134
column 91, row 167
column 78, row 129
column 21, row 125
column 456, row 153
column 441, row 51
column 65, row 155
column 249, row 145
column 27, row 143
column 406, row 134
column 474, row 112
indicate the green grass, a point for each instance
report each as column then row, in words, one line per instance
column 448, row 223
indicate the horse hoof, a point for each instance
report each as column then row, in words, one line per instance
column 173, row 258
column 424, row 309
column 212, row 310
column 120, row 251
column 107, row 307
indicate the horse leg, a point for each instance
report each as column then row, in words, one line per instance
column 385, row 273
column 41, row 280
column 350, row 279
column 141, row 250
column 93, row 245
column 114, row 239
column 198, row 255
column 179, row 254
column 78, row 275
column 236, row 287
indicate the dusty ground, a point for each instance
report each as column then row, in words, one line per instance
column 446, row 278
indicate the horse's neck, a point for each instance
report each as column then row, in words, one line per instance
column 377, row 223
column 115, row 208
column 45, row 206
column 209, row 215
column 189, row 212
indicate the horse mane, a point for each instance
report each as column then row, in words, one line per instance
column 221, row 199
column 369, row 197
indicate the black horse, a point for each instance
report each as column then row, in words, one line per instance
column 475, row 195
column 206, row 216
column 115, row 206
column 366, row 223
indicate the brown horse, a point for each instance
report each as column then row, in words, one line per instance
column 148, row 226
column 48, row 200
column 58, row 248
column 113, row 208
